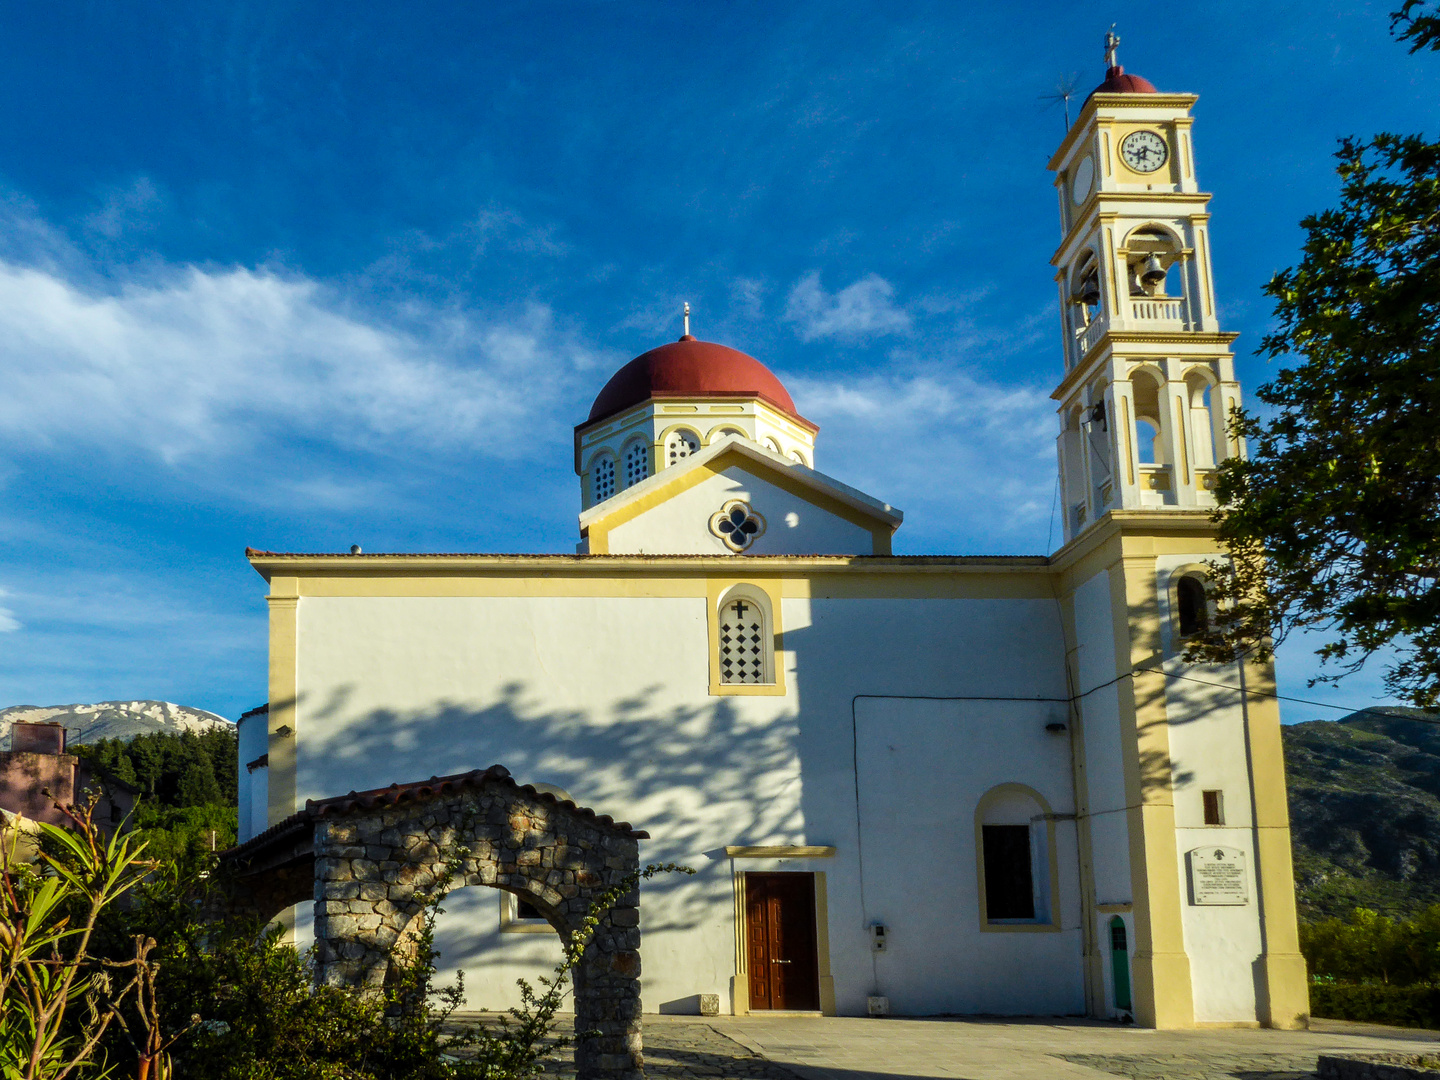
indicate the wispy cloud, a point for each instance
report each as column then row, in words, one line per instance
column 128, row 209
column 203, row 363
column 863, row 309
column 8, row 622
column 968, row 460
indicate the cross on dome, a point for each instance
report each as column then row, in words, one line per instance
column 1116, row 81
column 1112, row 42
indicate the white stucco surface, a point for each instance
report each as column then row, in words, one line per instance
column 608, row 699
column 924, row 765
column 794, row 525
column 253, row 741
column 1100, row 718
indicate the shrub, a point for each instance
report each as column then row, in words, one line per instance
column 1417, row 1005
column 1368, row 947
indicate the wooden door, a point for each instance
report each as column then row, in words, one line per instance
column 780, row 932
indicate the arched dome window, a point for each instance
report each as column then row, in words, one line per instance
column 680, row 445
column 637, row 463
column 602, row 478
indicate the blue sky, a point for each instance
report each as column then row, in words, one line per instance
column 299, row 276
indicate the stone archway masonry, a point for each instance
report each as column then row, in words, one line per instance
column 378, row 855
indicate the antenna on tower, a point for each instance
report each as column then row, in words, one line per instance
column 1066, row 87
column 687, row 318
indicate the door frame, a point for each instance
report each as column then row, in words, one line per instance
column 779, row 860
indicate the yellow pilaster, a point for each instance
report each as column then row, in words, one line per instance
column 1161, row 967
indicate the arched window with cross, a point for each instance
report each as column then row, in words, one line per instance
column 745, row 640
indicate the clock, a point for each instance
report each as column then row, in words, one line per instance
column 1144, row 151
column 1083, row 179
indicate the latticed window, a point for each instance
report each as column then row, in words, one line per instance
column 742, row 642
column 637, row 463
column 602, row 478
column 680, row 445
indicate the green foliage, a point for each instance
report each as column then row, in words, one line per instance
column 175, row 833
column 173, row 769
column 48, row 919
column 1333, row 522
column 1367, row 947
column 234, row 1002
column 1375, row 1003
column 1414, row 24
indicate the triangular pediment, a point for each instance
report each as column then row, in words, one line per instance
column 788, row 509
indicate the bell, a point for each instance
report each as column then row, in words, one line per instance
column 1090, row 291
column 1152, row 274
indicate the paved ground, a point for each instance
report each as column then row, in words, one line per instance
column 845, row 1048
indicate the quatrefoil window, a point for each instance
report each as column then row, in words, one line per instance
column 737, row 525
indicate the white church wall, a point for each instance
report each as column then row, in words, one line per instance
column 253, row 740
column 1104, row 763
column 793, row 525
column 607, row 698
column 924, row 766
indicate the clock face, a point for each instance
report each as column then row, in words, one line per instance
column 1144, row 151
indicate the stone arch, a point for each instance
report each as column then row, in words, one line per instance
column 378, row 856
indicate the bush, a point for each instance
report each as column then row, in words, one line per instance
column 1368, row 947
column 1417, row 1005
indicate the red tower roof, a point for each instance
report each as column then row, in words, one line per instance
column 1117, row 82
column 690, row 368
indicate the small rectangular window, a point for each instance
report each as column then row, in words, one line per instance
column 1009, row 884
column 1214, row 807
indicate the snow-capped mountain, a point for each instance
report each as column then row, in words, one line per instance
column 113, row 719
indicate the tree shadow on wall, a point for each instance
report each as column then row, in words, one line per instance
column 696, row 776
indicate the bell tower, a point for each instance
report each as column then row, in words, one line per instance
column 1149, row 375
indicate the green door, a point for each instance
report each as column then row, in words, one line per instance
column 1120, row 963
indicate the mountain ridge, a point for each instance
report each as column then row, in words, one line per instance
column 113, row 719
column 1364, row 797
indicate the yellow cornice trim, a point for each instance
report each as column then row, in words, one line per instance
column 1117, row 101
column 373, row 566
column 1126, row 524
column 779, row 851
column 1082, row 372
column 1086, row 215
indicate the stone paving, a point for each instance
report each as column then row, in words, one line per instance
column 675, row 1049
column 849, row 1048
column 1191, row 1067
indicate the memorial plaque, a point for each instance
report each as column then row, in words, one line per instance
column 1217, row 876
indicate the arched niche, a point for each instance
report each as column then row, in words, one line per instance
column 1152, row 250
column 1202, row 398
column 1016, row 862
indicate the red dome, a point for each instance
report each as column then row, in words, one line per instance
column 1117, row 82
column 690, row 368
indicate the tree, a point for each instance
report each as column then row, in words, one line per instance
column 1333, row 522
column 197, row 785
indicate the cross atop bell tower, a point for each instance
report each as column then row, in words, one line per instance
column 1149, row 375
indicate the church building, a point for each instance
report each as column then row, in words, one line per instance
column 928, row 784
